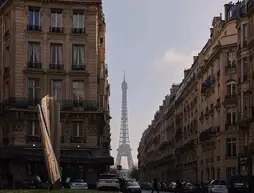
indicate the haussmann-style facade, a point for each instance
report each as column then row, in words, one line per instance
column 54, row 48
column 204, row 129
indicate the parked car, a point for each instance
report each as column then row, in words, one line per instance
column 132, row 187
column 108, row 182
column 191, row 187
column 78, row 184
column 145, row 186
column 238, row 184
column 32, row 182
column 172, row 187
column 218, row 186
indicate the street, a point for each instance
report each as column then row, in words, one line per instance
column 149, row 191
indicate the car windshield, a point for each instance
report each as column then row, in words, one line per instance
column 33, row 178
column 239, row 179
column 132, row 184
column 220, row 182
column 108, row 176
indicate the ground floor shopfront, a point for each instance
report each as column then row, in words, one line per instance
column 87, row 164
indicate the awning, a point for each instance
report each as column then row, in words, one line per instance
column 75, row 156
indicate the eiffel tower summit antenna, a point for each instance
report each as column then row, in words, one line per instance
column 124, row 148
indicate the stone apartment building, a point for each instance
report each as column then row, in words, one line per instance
column 55, row 48
column 203, row 117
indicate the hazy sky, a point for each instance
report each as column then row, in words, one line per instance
column 153, row 41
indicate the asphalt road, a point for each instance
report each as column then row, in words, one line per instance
column 149, row 191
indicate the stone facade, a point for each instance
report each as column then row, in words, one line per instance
column 38, row 57
column 205, row 124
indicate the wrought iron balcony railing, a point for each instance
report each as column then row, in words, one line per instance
column 56, row 66
column 78, row 30
column 33, row 27
column 66, row 105
column 33, row 138
column 230, row 98
column 34, row 65
column 56, row 29
column 77, row 139
column 78, row 67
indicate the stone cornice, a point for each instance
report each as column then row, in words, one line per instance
column 81, row 2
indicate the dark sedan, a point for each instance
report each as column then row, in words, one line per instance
column 32, row 182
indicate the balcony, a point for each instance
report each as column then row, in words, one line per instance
column 31, row 103
column 244, row 118
column 33, row 138
column 230, row 67
column 78, row 67
column 56, row 66
column 33, row 27
column 208, row 134
column 34, row 65
column 230, row 126
column 230, row 99
column 78, row 30
column 207, row 84
column 217, row 106
column 56, row 29
column 77, row 139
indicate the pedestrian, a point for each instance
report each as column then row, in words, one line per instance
column 251, row 184
column 179, row 188
column 155, row 186
column 162, row 186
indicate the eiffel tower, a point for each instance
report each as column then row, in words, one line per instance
column 124, row 148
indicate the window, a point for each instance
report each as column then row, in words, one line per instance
column 231, row 59
column 6, row 90
column 102, row 100
column 34, row 51
column 208, row 173
column 218, row 173
column 34, row 17
column 231, row 88
column 56, row 89
column 230, row 171
column 7, row 57
column 230, row 13
column 245, row 32
column 245, row 69
column 231, row 147
column 56, row 19
column 78, row 55
column 7, row 22
column 34, row 90
column 56, row 54
column 101, row 40
column 33, row 128
column 78, row 129
column 231, row 117
column 78, row 90
column 78, row 20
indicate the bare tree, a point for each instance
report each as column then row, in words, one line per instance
column 134, row 173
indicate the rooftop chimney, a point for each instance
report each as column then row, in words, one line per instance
column 195, row 58
column 220, row 16
column 211, row 32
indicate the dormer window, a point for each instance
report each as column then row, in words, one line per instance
column 230, row 13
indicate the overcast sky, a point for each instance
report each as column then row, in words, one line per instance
column 153, row 41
